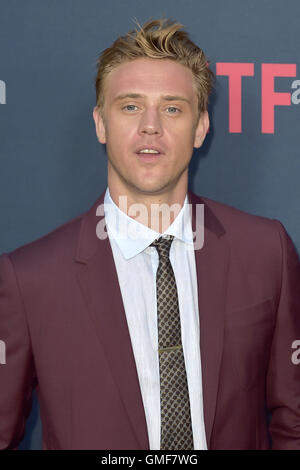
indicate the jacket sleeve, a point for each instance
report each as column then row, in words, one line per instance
column 283, row 377
column 17, row 375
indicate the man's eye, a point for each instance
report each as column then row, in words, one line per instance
column 173, row 110
column 129, row 107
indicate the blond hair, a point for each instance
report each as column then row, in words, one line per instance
column 157, row 39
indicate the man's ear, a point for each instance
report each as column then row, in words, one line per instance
column 201, row 129
column 99, row 123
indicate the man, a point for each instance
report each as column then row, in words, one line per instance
column 134, row 337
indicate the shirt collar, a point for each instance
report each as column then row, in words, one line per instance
column 132, row 237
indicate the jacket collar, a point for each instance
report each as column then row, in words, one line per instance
column 88, row 242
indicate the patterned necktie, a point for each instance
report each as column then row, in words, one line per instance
column 176, row 427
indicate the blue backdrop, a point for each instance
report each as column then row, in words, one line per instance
column 52, row 167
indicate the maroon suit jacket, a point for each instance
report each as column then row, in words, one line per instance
column 64, row 325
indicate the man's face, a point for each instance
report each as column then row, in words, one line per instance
column 150, row 104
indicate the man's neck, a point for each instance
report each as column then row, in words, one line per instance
column 157, row 211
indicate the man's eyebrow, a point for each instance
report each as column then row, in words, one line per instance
column 175, row 98
column 128, row 95
column 138, row 95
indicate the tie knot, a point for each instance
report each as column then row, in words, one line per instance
column 163, row 245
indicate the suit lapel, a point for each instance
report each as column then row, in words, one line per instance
column 99, row 283
column 212, row 262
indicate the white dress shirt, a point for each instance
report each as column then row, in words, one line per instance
column 136, row 264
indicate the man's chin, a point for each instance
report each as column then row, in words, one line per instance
column 151, row 189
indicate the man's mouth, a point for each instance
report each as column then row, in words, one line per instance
column 149, row 150
column 149, row 153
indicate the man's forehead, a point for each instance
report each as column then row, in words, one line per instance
column 150, row 76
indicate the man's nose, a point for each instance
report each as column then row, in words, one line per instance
column 150, row 122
